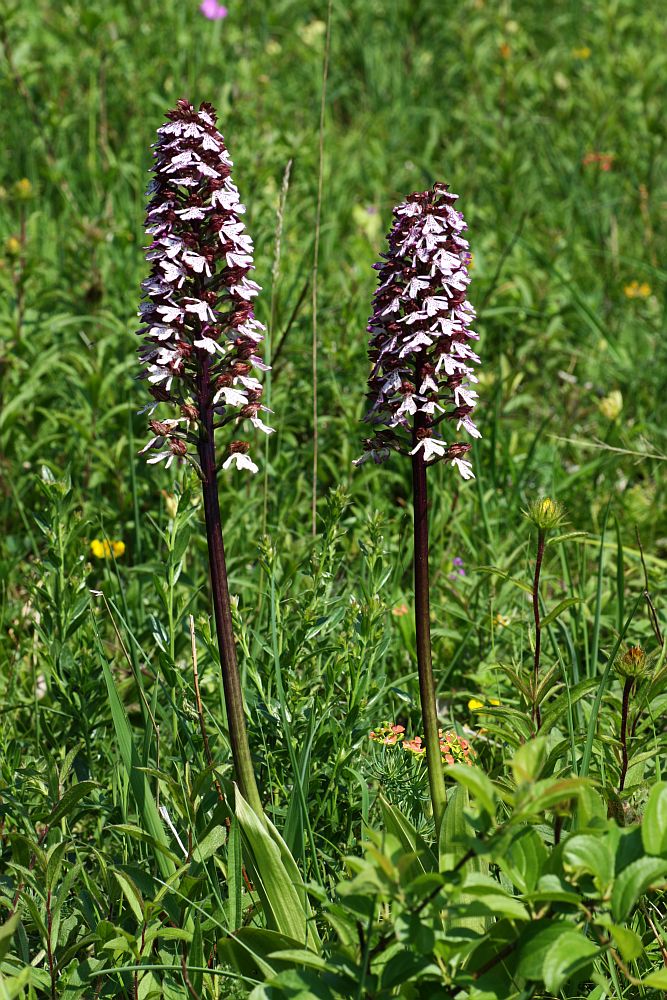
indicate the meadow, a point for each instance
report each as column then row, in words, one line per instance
column 128, row 868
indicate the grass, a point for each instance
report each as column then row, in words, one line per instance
column 512, row 104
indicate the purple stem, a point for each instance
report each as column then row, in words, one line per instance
column 238, row 737
column 423, row 632
column 537, row 718
column 627, row 689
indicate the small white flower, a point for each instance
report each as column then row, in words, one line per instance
column 230, row 397
column 431, row 447
column 246, row 290
column 238, row 259
column 207, row 171
column 465, row 468
column 192, row 213
column 196, row 262
column 259, row 424
column 207, row 344
column 464, row 396
column 201, row 309
column 470, row 426
column 419, row 340
column 241, row 461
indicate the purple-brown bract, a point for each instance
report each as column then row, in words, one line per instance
column 419, row 335
column 200, row 332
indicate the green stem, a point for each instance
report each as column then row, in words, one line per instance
column 423, row 634
column 238, row 737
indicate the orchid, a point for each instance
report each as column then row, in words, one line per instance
column 421, row 377
column 199, row 349
column 420, row 333
column 200, row 335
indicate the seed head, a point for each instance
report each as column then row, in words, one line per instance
column 200, row 335
column 419, row 346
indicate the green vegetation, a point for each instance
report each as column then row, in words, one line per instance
column 128, row 868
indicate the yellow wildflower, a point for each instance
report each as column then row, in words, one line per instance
column 23, row 189
column 610, row 406
column 12, row 246
column 475, row 704
column 502, row 621
column 105, row 549
column 583, row 53
column 637, row 290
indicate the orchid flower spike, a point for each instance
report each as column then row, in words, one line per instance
column 420, row 334
column 200, row 335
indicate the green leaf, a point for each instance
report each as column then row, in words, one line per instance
column 301, row 956
column 234, row 876
column 627, row 941
column 454, row 830
column 528, row 761
column 138, row 781
column 654, row 823
column 69, row 800
column 478, row 784
column 54, row 864
column 400, row 827
column 633, row 882
column 559, row 609
column 567, row 537
column 132, row 895
column 6, row 933
column 585, row 852
column 249, row 948
column 286, row 908
column 211, row 843
column 536, row 941
column 658, row 980
column 485, row 890
column 568, row 955
column 524, row 859
column 545, row 795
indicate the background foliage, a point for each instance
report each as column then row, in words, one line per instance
column 549, row 123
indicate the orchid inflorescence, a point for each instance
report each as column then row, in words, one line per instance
column 419, row 335
column 199, row 329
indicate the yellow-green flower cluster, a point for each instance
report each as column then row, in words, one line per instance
column 546, row 514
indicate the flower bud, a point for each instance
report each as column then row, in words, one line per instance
column 546, row 514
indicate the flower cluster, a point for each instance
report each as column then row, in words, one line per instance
column 637, row 290
column 475, row 704
column 387, row 734
column 419, row 335
column 453, row 748
column 105, row 549
column 200, row 335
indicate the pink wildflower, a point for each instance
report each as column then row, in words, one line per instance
column 213, row 10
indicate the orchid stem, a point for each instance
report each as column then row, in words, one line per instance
column 423, row 635
column 238, row 737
